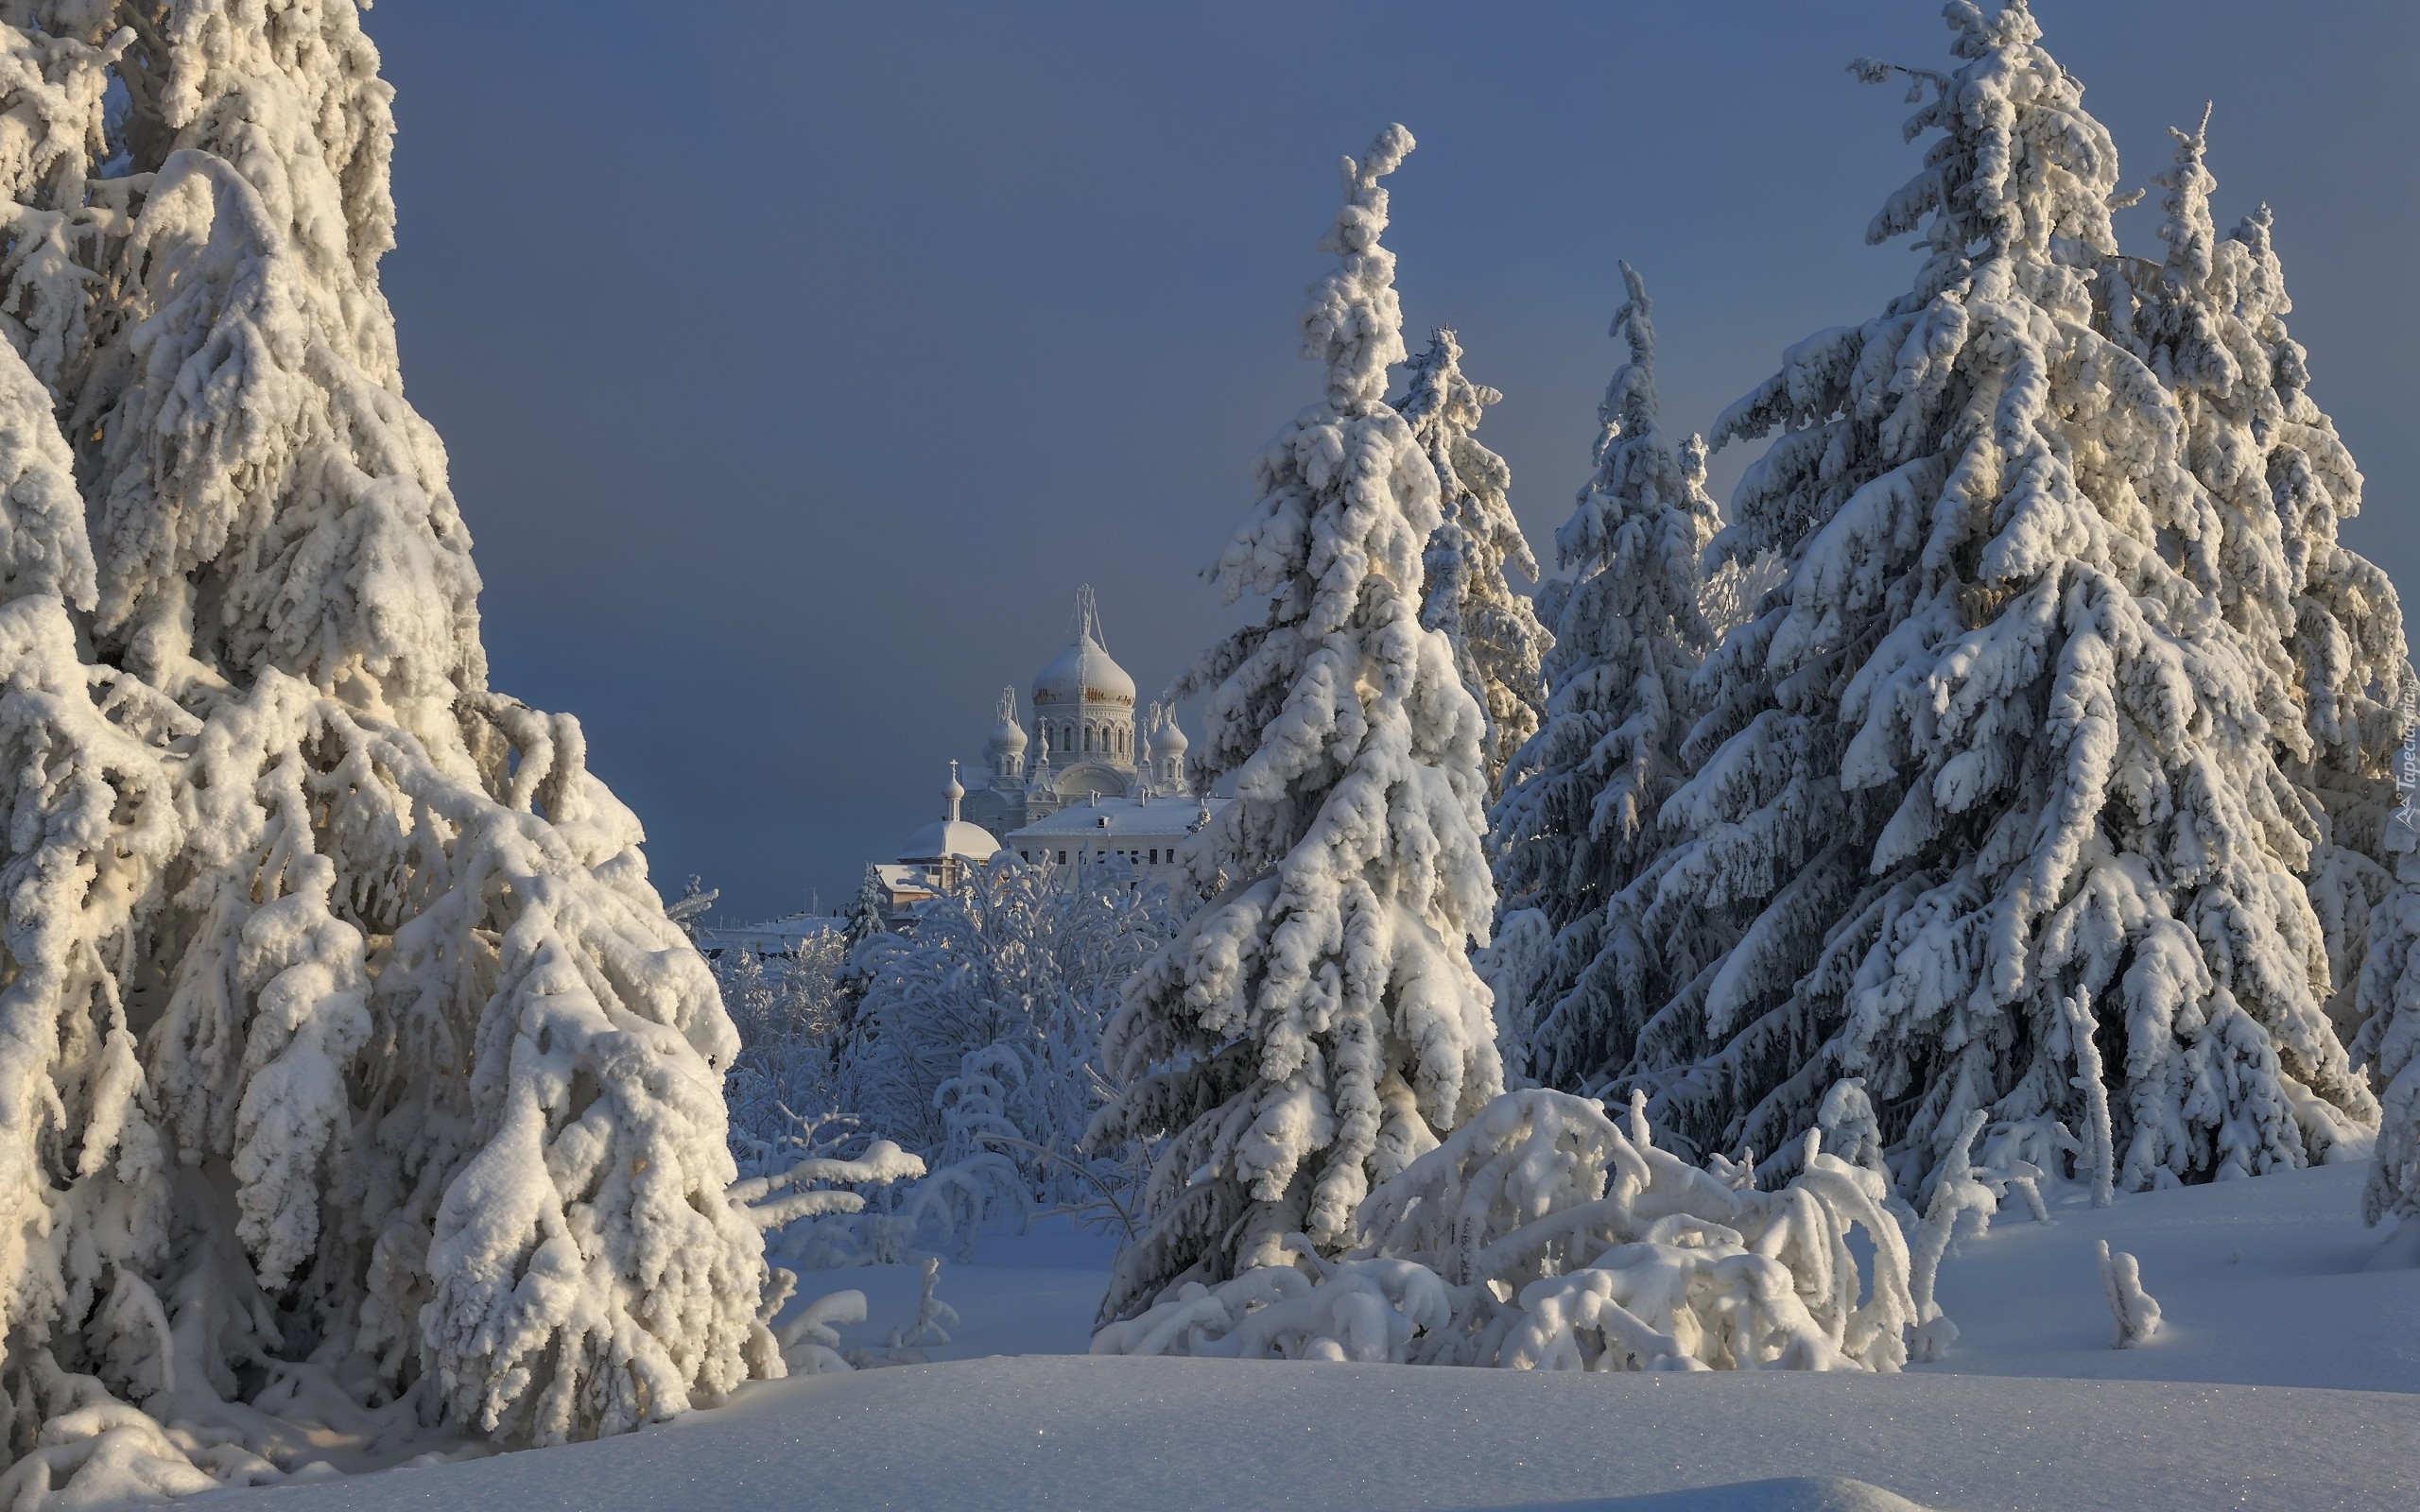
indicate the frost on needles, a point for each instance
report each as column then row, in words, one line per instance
column 348, row 1061
column 1317, row 1023
column 1991, row 788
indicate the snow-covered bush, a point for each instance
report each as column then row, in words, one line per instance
column 1575, row 973
column 342, row 1037
column 1317, row 1023
column 971, row 1037
column 1468, row 594
column 1992, row 781
column 1541, row 1235
column 980, row 1026
column 2134, row 1312
column 789, row 1199
column 786, row 1009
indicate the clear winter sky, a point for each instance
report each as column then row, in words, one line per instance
column 797, row 361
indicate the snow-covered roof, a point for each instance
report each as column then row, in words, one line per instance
column 772, row 934
column 1119, row 817
column 949, row 837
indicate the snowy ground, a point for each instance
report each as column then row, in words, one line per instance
column 2032, row 1409
column 2260, row 1283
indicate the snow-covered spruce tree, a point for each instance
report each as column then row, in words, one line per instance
column 344, row 1046
column 1577, row 825
column 2351, row 662
column 1990, row 786
column 2390, row 1003
column 1498, row 640
column 2332, row 673
column 1317, row 1023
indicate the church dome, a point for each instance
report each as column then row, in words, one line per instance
column 1008, row 738
column 950, row 835
column 944, row 838
column 1084, row 667
column 1166, row 740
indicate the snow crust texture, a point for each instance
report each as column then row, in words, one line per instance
column 350, row 1068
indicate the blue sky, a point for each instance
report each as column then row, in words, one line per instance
column 797, row 361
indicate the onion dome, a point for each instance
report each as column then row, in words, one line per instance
column 1085, row 666
column 1008, row 736
column 1166, row 740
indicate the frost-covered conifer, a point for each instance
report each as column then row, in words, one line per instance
column 1575, row 975
column 2324, row 623
column 1991, row 788
column 341, row 1024
column 1498, row 640
column 1317, row 1023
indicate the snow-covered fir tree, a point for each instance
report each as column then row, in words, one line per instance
column 1317, row 1023
column 1498, row 640
column 341, row 1024
column 2326, row 628
column 1575, row 974
column 1990, row 788
column 2389, row 997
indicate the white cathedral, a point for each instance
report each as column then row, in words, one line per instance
column 1096, row 786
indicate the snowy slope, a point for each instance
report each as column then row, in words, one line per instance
column 1170, row 1435
column 2226, row 1408
column 2296, row 1309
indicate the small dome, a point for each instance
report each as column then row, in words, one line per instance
column 944, row 838
column 1166, row 740
column 1008, row 736
column 1084, row 667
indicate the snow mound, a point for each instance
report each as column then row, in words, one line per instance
column 1790, row 1493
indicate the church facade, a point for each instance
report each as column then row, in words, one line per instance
column 1092, row 781
column 1087, row 743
